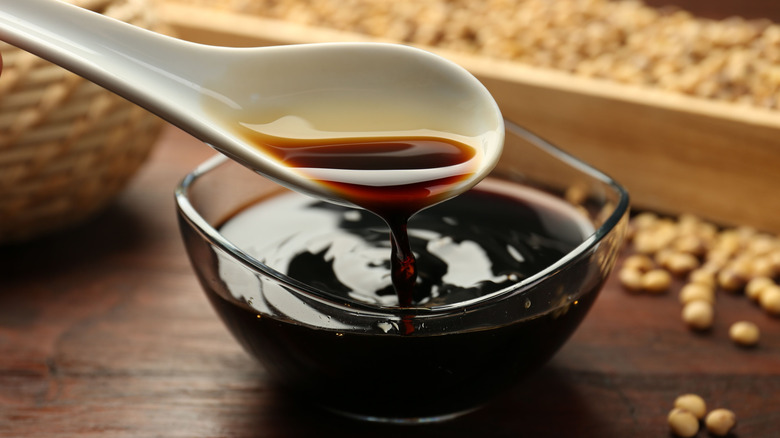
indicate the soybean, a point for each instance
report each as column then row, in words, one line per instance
column 744, row 333
column 720, row 422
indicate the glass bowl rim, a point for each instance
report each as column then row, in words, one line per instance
column 215, row 238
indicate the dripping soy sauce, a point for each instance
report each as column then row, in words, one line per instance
column 428, row 168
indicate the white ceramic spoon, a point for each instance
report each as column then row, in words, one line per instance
column 334, row 90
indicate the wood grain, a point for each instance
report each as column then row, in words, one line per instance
column 104, row 332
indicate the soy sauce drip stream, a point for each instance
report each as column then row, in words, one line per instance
column 403, row 266
column 394, row 203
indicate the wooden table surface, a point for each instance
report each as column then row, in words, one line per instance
column 104, row 332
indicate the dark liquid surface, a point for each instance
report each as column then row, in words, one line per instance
column 478, row 243
column 422, row 170
column 474, row 244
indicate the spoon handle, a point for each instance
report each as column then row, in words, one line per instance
column 152, row 70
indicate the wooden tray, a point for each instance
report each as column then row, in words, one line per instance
column 674, row 153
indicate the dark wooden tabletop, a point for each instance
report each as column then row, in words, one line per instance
column 104, row 332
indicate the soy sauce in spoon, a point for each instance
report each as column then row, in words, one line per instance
column 392, row 177
column 396, row 140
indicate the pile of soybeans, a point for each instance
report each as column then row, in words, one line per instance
column 626, row 41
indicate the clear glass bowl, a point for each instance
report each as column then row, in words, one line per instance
column 376, row 361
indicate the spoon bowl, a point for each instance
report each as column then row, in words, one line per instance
column 329, row 91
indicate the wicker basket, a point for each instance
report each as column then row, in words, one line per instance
column 67, row 146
